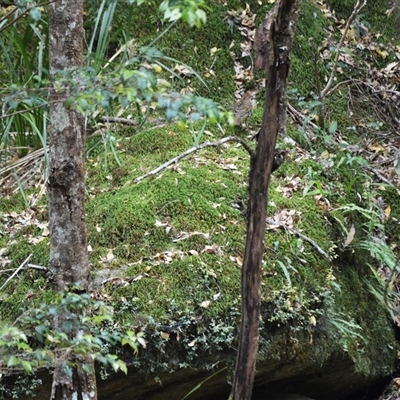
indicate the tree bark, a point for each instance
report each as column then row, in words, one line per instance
column 66, row 187
column 273, row 44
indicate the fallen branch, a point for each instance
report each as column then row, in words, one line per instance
column 381, row 177
column 38, row 267
column 193, row 150
column 295, row 114
column 33, row 266
column 299, row 234
column 16, row 271
column 123, row 121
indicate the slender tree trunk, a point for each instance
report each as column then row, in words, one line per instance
column 66, row 187
column 273, row 44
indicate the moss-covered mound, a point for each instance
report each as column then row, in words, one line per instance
column 166, row 252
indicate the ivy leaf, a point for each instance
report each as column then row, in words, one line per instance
column 26, row 366
column 333, row 127
column 12, row 361
column 35, row 14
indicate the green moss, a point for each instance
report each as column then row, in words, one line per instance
column 170, row 292
column 20, row 249
column 373, row 15
column 190, row 201
column 371, row 345
column 29, row 283
column 197, row 200
column 27, row 291
column 306, row 72
column 185, row 45
column 177, row 241
column 177, row 238
column 12, row 203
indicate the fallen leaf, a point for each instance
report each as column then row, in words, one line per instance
column 350, row 236
column 313, row 320
column 375, row 147
column 213, row 51
column 205, row 303
column 381, row 53
column 164, row 335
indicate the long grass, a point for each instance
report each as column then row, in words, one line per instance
column 25, row 59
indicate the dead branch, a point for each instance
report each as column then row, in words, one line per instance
column 193, row 150
column 384, row 99
column 301, row 118
column 27, row 110
column 19, row 16
column 123, row 121
column 357, row 8
column 381, row 177
column 32, row 266
column 38, row 267
column 16, row 271
column 273, row 45
column 126, row 121
column 300, row 235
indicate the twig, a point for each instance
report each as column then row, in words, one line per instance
column 123, row 121
column 20, row 15
column 16, row 271
column 39, row 267
column 193, row 150
column 300, row 116
column 299, row 234
column 33, row 266
column 22, row 161
column 339, row 84
column 357, row 8
column 29, row 109
column 381, row 177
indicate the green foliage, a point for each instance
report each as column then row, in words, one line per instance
column 166, row 252
column 133, row 82
column 32, row 343
column 23, row 385
column 25, row 59
column 189, row 11
column 101, row 34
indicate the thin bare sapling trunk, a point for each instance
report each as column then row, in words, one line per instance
column 66, row 190
column 273, row 44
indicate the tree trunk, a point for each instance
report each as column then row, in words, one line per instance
column 66, row 187
column 273, row 43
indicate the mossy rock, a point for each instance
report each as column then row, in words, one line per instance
column 173, row 244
